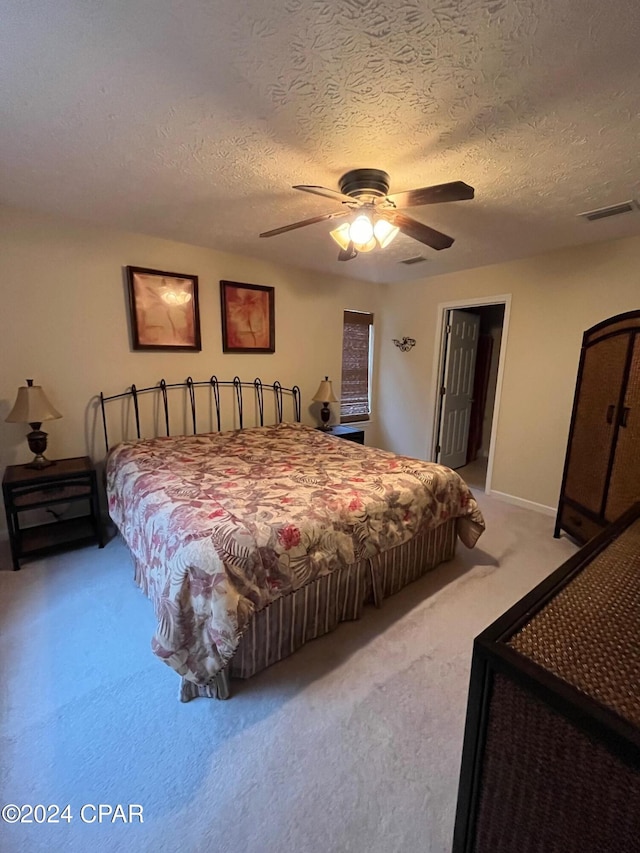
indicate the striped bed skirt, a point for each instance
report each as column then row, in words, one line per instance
column 285, row 625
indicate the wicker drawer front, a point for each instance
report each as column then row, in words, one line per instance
column 548, row 788
column 578, row 524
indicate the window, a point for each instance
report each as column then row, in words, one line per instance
column 356, row 362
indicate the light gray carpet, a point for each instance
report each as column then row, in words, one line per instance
column 352, row 744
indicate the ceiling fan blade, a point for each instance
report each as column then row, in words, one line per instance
column 323, row 218
column 412, row 228
column 327, row 193
column 348, row 253
column 454, row 191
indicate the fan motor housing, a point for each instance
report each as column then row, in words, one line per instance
column 365, row 182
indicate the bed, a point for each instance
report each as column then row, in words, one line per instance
column 252, row 541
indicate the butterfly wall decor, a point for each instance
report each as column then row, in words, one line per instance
column 405, row 344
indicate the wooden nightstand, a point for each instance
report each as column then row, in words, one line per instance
column 68, row 481
column 346, row 432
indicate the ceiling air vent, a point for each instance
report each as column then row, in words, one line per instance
column 613, row 210
column 417, row 260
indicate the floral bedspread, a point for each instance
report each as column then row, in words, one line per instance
column 221, row 524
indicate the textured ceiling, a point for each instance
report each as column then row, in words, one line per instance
column 192, row 120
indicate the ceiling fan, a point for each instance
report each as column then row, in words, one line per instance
column 374, row 216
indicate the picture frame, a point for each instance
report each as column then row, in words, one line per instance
column 248, row 317
column 165, row 313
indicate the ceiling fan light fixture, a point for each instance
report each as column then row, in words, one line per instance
column 361, row 231
column 366, row 190
column 384, row 232
column 344, row 236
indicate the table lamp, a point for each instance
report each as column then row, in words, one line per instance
column 32, row 407
column 325, row 395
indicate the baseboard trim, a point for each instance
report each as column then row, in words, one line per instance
column 512, row 499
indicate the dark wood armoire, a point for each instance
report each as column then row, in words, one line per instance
column 602, row 467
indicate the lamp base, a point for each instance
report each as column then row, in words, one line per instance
column 325, row 414
column 39, row 462
column 37, row 439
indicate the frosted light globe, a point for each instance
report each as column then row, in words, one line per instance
column 361, row 230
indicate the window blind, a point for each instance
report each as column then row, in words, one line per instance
column 354, row 394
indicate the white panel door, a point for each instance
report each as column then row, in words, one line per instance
column 459, row 369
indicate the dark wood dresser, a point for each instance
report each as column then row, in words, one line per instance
column 551, row 757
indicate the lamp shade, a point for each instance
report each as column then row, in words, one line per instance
column 32, row 406
column 384, row 232
column 341, row 235
column 325, row 394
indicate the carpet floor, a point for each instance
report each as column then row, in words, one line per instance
column 352, row 744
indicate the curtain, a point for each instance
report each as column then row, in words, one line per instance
column 356, row 341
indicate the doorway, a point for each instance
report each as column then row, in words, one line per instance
column 470, row 453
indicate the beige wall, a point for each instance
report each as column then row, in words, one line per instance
column 64, row 323
column 555, row 297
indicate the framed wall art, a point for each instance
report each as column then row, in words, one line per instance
column 164, row 310
column 248, row 317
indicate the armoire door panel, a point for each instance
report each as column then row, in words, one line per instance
column 595, row 421
column 624, row 486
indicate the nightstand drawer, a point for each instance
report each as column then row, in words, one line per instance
column 32, row 497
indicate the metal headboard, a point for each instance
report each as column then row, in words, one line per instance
column 162, row 388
